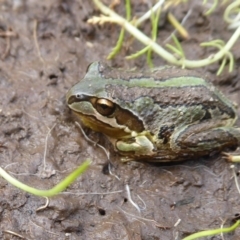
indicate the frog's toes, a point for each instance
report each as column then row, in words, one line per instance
column 230, row 158
column 126, row 159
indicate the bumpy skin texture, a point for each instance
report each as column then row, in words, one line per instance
column 164, row 114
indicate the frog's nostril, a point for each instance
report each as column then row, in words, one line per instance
column 76, row 98
column 72, row 99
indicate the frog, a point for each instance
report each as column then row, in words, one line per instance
column 164, row 114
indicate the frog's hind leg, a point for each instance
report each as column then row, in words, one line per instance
column 203, row 140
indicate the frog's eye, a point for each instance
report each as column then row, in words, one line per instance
column 105, row 107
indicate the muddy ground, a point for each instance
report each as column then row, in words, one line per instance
column 49, row 48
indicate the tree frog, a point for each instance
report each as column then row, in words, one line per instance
column 161, row 115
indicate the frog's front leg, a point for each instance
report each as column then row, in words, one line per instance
column 136, row 146
column 204, row 138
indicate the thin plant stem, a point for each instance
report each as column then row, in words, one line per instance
column 51, row 192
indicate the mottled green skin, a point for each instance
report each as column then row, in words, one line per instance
column 166, row 114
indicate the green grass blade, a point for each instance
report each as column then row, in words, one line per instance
column 212, row 232
column 53, row 191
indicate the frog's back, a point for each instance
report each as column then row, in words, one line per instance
column 169, row 89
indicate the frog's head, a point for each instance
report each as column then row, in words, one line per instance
column 97, row 109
